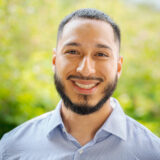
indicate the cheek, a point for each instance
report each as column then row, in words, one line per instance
column 107, row 69
column 64, row 67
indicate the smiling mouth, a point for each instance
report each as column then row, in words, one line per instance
column 85, row 86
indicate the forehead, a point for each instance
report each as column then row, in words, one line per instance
column 87, row 31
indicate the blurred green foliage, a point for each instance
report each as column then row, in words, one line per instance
column 28, row 34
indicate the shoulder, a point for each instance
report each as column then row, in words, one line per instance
column 26, row 127
column 144, row 144
column 25, row 133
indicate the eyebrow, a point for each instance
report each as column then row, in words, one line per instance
column 103, row 46
column 72, row 44
column 97, row 45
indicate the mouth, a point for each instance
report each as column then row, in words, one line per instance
column 84, row 86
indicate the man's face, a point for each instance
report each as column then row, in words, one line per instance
column 87, row 62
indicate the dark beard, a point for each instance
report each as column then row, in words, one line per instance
column 84, row 109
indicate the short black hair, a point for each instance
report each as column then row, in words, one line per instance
column 90, row 13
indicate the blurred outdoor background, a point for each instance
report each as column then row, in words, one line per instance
column 28, row 35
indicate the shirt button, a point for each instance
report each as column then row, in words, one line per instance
column 80, row 151
column 63, row 130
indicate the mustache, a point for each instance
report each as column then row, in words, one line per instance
column 85, row 78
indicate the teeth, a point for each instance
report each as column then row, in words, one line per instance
column 85, row 86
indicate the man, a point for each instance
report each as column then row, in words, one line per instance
column 87, row 124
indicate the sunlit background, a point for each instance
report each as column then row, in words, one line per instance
column 28, row 35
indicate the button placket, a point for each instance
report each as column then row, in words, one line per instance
column 80, row 151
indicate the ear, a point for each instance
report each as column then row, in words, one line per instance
column 54, row 60
column 119, row 66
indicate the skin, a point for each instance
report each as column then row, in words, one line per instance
column 86, row 48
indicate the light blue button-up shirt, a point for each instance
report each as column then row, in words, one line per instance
column 45, row 138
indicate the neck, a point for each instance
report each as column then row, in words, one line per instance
column 84, row 127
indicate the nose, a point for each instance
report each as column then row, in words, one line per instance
column 86, row 67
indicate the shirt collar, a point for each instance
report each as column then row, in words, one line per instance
column 55, row 119
column 115, row 124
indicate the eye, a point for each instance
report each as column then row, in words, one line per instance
column 100, row 54
column 73, row 52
